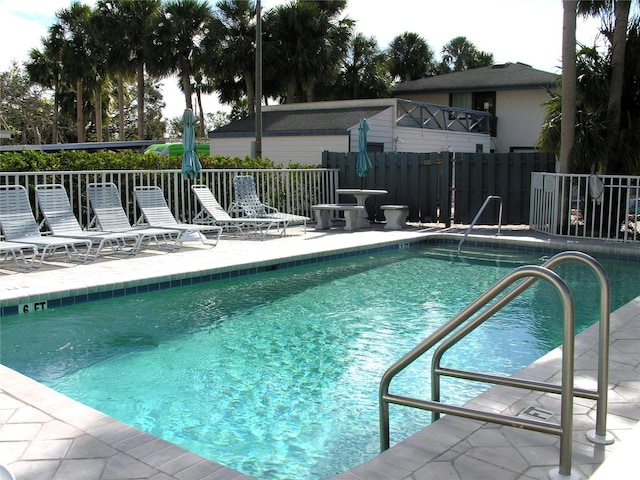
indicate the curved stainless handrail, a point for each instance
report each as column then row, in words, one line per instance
column 529, row 275
column 475, row 219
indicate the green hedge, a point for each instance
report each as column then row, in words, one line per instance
column 34, row 161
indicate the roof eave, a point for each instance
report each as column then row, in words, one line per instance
column 483, row 88
column 282, row 133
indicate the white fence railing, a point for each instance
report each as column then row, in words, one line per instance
column 289, row 190
column 586, row 206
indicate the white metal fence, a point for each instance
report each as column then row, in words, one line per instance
column 586, row 206
column 289, row 190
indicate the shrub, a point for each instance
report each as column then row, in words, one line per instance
column 34, row 161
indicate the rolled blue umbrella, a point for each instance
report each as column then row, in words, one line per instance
column 363, row 165
column 190, row 163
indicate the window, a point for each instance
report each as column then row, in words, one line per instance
column 461, row 100
column 485, row 102
column 480, row 101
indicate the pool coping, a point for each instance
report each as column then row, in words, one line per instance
column 12, row 299
column 135, row 282
column 33, row 404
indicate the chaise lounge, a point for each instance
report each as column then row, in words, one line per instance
column 250, row 205
column 19, row 225
column 54, row 204
column 158, row 214
column 213, row 213
column 111, row 217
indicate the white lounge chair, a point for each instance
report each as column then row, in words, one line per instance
column 213, row 213
column 25, row 255
column 58, row 214
column 248, row 202
column 19, row 225
column 158, row 214
column 110, row 217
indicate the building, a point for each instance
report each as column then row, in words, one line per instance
column 299, row 133
column 513, row 93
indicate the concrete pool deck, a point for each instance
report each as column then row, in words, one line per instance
column 45, row 435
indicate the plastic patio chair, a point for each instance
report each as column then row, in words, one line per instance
column 59, row 217
column 24, row 255
column 158, row 214
column 213, row 213
column 19, row 225
column 248, row 202
column 111, row 217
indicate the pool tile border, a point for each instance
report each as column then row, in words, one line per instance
column 63, row 299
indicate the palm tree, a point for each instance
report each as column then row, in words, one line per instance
column 460, row 54
column 364, row 71
column 579, row 142
column 410, row 57
column 230, row 48
column 40, row 70
column 45, row 67
column 101, row 50
column 568, row 85
column 180, row 32
column 630, row 127
column 73, row 23
column 310, row 41
column 123, row 23
column 131, row 25
column 618, row 38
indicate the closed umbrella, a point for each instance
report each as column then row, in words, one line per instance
column 363, row 165
column 190, row 163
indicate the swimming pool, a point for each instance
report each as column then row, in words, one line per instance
column 250, row 346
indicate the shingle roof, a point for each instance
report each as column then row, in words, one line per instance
column 300, row 122
column 508, row 76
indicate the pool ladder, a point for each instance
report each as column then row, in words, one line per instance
column 461, row 325
column 475, row 219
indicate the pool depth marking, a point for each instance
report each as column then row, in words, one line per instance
column 32, row 307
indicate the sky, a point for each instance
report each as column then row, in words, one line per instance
column 527, row 31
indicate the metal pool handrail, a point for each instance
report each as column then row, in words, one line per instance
column 475, row 219
column 600, row 394
column 530, row 274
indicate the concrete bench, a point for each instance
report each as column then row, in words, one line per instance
column 323, row 210
column 396, row 216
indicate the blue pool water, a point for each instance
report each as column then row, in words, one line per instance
column 277, row 375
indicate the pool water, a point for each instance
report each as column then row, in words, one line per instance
column 277, row 375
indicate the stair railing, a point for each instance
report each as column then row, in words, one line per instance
column 457, row 328
column 475, row 219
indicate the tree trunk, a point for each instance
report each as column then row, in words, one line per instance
column 309, row 91
column 56, row 112
column 140, row 75
column 249, row 85
column 79, row 111
column 121, row 135
column 568, row 121
column 291, row 90
column 186, row 88
column 618, row 48
column 202, row 126
column 98, row 100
